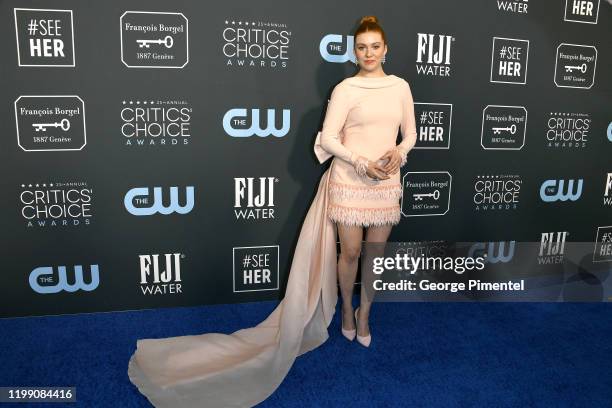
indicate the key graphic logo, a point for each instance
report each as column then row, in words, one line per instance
column 154, row 39
column 575, row 66
column 503, row 127
column 50, row 122
column 45, row 37
column 426, row 193
column 509, row 60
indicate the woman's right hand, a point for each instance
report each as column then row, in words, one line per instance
column 376, row 171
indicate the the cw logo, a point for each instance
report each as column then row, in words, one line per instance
column 482, row 248
column 335, row 42
column 552, row 190
column 239, row 116
column 140, row 196
column 44, row 274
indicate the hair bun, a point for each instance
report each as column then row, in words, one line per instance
column 369, row 19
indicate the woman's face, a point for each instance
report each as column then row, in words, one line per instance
column 370, row 50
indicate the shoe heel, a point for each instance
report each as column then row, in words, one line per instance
column 349, row 334
column 363, row 340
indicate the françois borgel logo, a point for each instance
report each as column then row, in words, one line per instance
column 426, row 193
column 575, row 66
column 561, row 190
column 497, row 192
column 434, row 125
column 155, row 122
column 256, row 44
column 44, row 280
column 45, row 37
column 337, row 48
column 582, row 11
column 154, row 39
column 513, row 6
column 56, row 204
column 139, row 201
column 255, row 268
column 254, row 199
column 503, row 127
column 238, row 123
column 50, row 122
column 567, row 130
column 509, row 60
column 157, row 281
column 434, row 54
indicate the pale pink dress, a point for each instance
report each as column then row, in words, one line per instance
column 362, row 119
column 241, row 369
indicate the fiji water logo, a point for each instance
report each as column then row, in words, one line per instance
column 44, row 280
column 237, row 123
column 558, row 190
column 138, row 201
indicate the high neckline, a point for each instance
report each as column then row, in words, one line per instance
column 373, row 82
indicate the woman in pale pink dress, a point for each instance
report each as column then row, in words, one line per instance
column 360, row 191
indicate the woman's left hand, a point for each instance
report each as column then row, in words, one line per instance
column 393, row 159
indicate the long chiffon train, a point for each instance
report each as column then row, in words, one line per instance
column 244, row 368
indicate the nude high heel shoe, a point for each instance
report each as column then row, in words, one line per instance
column 349, row 334
column 363, row 340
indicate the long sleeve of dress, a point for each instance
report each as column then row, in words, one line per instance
column 407, row 125
column 335, row 117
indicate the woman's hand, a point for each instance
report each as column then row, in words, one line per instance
column 376, row 171
column 393, row 159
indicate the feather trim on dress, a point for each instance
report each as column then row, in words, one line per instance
column 342, row 192
column 364, row 217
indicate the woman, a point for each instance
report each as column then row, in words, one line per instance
column 360, row 189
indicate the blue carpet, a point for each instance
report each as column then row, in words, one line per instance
column 422, row 355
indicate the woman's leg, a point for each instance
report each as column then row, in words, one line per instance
column 350, row 249
column 374, row 234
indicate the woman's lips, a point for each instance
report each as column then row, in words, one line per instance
column 369, row 61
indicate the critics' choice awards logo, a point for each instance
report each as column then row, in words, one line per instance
column 238, row 123
column 434, row 54
column 151, row 122
column 426, row 193
column 575, row 66
column 56, row 204
column 256, row 44
column 607, row 200
column 503, row 127
column 337, row 48
column 255, row 268
column 50, row 123
column 567, row 130
column 497, row 192
column 582, row 11
column 560, row 190
column 254, row 199
column 517, row 6
column 138, row 201
column 509, row 60
column 154, row 40
column 157, row 281
column 603, row 244
column 46, row 280
column 552, row 247
column 45, row 37
column 433, row 125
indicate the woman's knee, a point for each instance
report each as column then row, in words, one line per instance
column 350, row 253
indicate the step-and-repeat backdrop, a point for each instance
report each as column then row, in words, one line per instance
column 159, row 153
